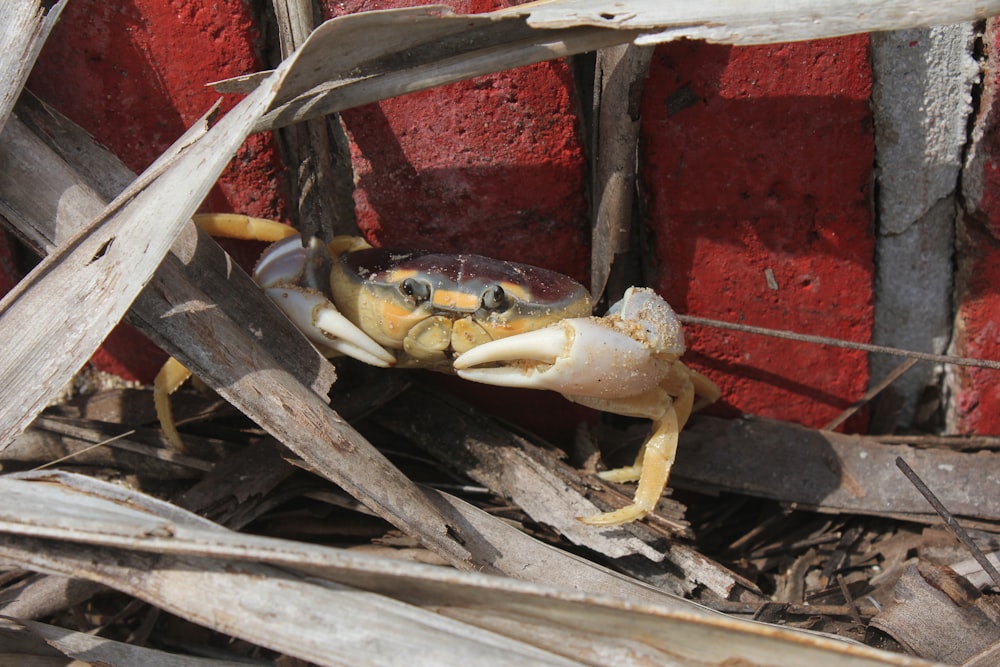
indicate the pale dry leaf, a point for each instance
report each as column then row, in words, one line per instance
column 113, row 516
column 421, row 48
column 832, row 472
column 73, row 298
column 751, row 21
column 24, row 26
column 434, row 615
column 98, row 650
column 935, row 617
column 436, row 47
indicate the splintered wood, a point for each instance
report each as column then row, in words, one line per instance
column 904, row 585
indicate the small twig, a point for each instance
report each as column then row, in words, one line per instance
column 837, row 342
column 755, row 531
column 773, row 549
column 949, row 520
column 746, row 608
column 852, row 605
column 85, row 449
column 895, row 374
column 118, row 441
column 955, row 442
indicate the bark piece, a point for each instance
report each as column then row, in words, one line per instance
column 832, row 472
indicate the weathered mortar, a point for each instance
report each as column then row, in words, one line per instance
column 921, row 99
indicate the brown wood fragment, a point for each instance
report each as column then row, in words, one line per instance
column 830, row 472
column 618, row 81
column 40, row 595
column 119, row 406
column 18, row 646
column 937, row 617
column 317, row 151
column 549, row 491
column 228, row 494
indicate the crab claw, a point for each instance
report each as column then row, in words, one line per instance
column 292, row 276
column 626, row 353
column 326, row 327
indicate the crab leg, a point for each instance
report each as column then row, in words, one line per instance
column 656, row 458
column 173, row 374
column 238, row 226
column 168, row 380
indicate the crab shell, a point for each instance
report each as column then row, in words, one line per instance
column 431, row 307
column 491, row 321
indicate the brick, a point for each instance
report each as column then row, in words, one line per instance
column 494, row 165
column 757, row 173
column 975, row 400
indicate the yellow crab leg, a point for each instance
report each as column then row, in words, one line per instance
column 174, row 374
column 706, row 391
column 245, row 227
column 168, row 380
column 656, row 457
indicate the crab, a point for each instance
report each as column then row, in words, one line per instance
column 488, row 321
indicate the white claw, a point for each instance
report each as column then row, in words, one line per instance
column 578, row 357
column 543, row 345
column 325, row 326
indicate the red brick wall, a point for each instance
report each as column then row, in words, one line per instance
column 756, row 184
column 757, row 173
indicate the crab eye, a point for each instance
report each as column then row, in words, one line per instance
column 418, row 290
column 494, row 298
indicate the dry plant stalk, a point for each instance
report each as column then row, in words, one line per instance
column 434, row 615
column 24, row 26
